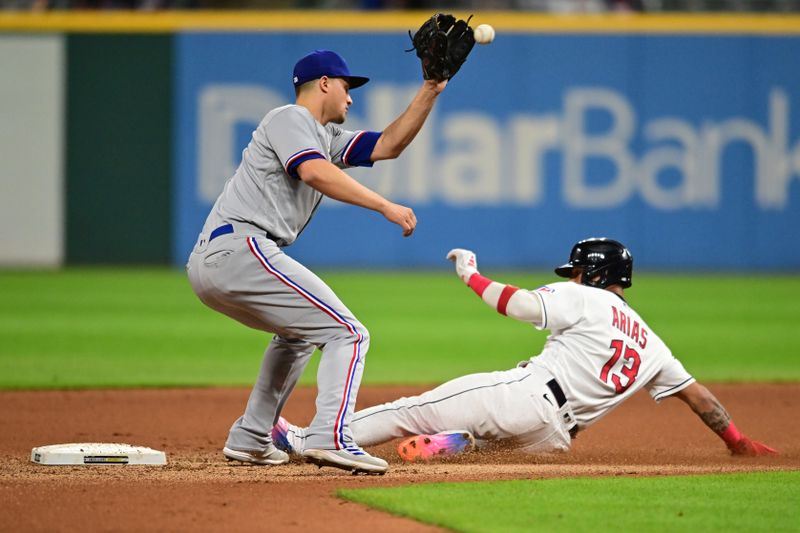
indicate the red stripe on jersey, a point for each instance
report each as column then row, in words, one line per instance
column 505, row 296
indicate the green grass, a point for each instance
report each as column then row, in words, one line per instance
column 145, row 327
column 734, row 502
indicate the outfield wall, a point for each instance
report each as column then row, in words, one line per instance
column 119, row 148
column 678, row 135
column 31, row 150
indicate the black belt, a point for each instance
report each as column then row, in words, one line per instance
column 561, row 399
column 555, row 388
column 228, row 228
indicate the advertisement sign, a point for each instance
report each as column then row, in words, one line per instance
column 685, row 148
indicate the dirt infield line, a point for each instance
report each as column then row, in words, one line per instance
column 199, row 491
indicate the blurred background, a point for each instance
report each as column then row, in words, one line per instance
column 563, row 6
column 675, row 130
column 678, row 134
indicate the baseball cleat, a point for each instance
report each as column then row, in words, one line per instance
column 270, row 456
column 445, row 444
column 351, row 458
column 285, row 437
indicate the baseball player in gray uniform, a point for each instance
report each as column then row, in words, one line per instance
column 238, row 266
column 600, row 352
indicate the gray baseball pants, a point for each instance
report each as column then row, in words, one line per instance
column 252, row 281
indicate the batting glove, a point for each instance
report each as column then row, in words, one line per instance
column 465, row 261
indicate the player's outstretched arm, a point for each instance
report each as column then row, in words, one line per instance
column 505, row 299
column 402, row 131
column 714, row 415
column 331, row 181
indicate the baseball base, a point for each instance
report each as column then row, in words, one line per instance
column 97, row 453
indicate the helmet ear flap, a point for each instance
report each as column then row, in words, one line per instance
column 602, row 261
column 595, row 277
column 616, row 273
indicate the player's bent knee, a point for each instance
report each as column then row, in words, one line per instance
column 362, row 337
column 353, row 333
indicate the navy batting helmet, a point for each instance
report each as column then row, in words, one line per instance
column 602, row 257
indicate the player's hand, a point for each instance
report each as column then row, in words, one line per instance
column 466, row 263
column 402, row 216
column 751, row 448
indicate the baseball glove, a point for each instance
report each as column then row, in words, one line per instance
column 442, row 44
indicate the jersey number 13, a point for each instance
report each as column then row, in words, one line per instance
column 629, row 368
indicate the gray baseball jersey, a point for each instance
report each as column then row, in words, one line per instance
column 266, row 191
column 238, row 268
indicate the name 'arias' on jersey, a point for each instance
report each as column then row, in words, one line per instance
column 629, row 326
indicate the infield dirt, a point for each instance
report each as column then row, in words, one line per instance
column 199, row 491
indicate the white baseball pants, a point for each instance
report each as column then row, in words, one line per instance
column 515, row 406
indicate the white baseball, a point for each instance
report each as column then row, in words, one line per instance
column 484, row 34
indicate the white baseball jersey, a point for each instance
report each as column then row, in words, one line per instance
column 601, row 351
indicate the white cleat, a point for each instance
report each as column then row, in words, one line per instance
column 270, row 456
column 352, row 458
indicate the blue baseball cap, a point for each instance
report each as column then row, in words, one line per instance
column 324, row 63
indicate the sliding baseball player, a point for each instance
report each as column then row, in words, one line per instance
column 600, row 352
